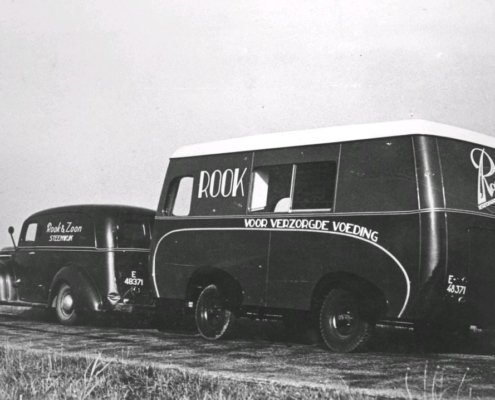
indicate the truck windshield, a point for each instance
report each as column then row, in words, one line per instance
column 133, row 234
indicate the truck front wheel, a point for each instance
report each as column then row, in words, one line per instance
column 343, row 326
column 214, row 319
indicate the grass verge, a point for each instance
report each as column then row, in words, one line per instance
column 34, row 374
column 28, row 374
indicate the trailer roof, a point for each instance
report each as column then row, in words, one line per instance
column 334, row 134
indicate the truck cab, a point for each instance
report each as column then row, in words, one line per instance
column 82, row 258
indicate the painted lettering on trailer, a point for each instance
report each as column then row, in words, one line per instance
column 486, row 168
column 226, row 183
column 313, row 224
column 356, row 230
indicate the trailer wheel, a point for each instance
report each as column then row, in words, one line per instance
column 343, row 328
column 214, row 319
column 64, row 306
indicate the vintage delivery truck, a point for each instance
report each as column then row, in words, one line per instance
column 347, row 226
column 80, row 259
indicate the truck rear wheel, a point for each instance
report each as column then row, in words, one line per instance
column 343, row 328
column 65, row 309
column 214, row 319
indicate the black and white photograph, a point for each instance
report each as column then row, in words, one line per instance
column 247, row 200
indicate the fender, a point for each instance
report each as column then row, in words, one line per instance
column 86, row 295
column 185, row 263
column 7, row 289
column 206, row 275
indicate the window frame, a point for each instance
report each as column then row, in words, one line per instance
column 28, row 231
column 128, row 221
column 292, row 190
column 171, row 197
column 349, row 168
column 22, row 238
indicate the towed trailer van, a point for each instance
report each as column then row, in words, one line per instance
column 80, row 259
column 390, row 222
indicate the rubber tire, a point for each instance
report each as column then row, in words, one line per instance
column 63, row 317
column 360, row 334
column 213, row 327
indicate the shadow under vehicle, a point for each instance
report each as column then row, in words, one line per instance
column 79, row 259
column 344, row 227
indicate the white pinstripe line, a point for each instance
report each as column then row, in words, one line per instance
column 404, row 272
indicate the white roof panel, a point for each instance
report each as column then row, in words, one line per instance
column 335, row 134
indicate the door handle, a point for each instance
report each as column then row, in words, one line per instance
column 31, row 253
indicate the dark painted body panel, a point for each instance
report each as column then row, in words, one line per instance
column 242, row 254
column 133, row 264
column 35, row 282
column 471, row 259
column 298, row 260
column 286, row 276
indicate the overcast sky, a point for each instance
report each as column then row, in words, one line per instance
column 96, row 95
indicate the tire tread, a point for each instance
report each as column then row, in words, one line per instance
column 356, row 345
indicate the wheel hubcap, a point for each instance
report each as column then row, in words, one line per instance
column 344, row 322
column 214, row 314
column 67, row 303
column 212, row 317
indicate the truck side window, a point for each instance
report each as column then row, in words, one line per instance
column 270, row 186
column 180, row 196
column 132, row 234
column 31, row 231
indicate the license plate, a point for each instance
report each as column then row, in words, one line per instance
column 133, row 281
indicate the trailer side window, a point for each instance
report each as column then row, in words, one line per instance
column 314, row 185
column 377, row 175
column 180, row 196
column 260, row 190
column 271, row 185
column 305, row 186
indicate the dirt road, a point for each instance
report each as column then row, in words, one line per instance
column 263, row 352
